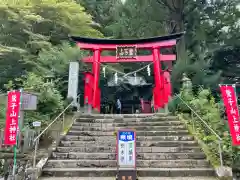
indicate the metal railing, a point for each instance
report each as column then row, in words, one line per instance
column 59, row 131
column 195, row 129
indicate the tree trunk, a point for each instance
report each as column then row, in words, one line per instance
column 177, row 17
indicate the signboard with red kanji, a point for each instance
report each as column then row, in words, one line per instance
column 230, row 102
column 12, row 115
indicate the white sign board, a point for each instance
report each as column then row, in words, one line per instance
column 36, row 124
column 126, row 148
column 73, row 80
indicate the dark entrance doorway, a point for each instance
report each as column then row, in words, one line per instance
column 131, row 97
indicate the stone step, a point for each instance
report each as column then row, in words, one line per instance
column 138, row 143
column 139, row 178
column 139, row 133
column 112, row 156
column 137, row 128
column 139, row 149
column 140, row 138
column 124, row 124
column 121, row 115
column 142, row 172
column 73, row 163
column 122, row 120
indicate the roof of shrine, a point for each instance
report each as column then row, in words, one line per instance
column 127, row 41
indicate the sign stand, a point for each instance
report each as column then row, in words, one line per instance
column 126, row 155
column 17, row 102
column 18, row 134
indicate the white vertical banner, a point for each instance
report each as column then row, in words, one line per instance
column 73, row 81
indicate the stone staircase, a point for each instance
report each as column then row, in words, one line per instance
column 164, row 148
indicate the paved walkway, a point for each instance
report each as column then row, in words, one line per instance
column 147, row 178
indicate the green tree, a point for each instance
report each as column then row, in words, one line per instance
column 138, row 19
column 50, row 100
column 54, row 62
column 32, row 46
column 227, row 60
column 103, row 12
column 28, row 27
column 2, row 109
column 195, row 50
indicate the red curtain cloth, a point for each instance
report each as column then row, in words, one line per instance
column 167, row 87
column 88, row 89
column 146, row 106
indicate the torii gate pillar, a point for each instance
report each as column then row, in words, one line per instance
column 96, row 74
column 157, row 78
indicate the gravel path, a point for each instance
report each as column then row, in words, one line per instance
column 147, row 178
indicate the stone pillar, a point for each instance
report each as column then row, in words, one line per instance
column 186, row 85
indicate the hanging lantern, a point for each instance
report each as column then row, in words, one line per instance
column 135, row 77
column 148, row 70
column 116, row 77
column 104, row 71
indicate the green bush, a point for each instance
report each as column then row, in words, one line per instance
column 50, row 101
column 2, row 114
column 203, row 103
column 172, row 105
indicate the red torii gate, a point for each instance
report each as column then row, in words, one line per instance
column 162, row 89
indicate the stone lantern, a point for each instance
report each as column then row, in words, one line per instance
column 186, row 84
column 49, row 78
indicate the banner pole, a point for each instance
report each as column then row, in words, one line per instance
column 235, row 91
column 15, row 146
column 14, row 160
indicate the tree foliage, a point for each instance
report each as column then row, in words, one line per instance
column 2, row 109
column 28, row 27
column 50, row 101
column 227, row 60
column 208, row 25
column 54, row 62
column 33, row 46
column 103, row 13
